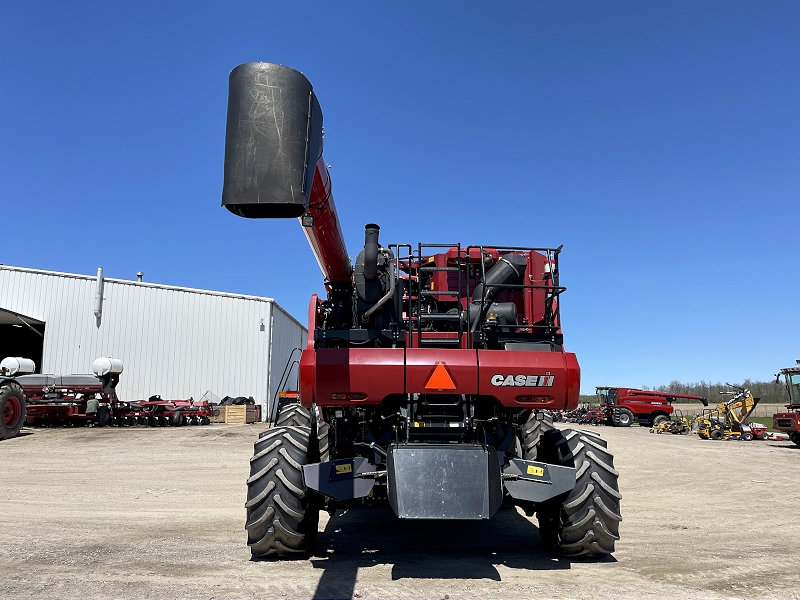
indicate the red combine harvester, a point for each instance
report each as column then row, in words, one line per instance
column 623, row 407
column 424, row 365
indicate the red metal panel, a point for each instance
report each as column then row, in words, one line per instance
column 529, row 379
column 573, row 381
column 366, row 375
column 308, row 376
column 461, row 366
column 307, row 366
column 534, row 299
column 325, row 237
column 473, row 255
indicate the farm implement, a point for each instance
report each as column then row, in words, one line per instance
column 57, row 400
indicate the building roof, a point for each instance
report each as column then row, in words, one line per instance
column 138, row 284
column 9, row 317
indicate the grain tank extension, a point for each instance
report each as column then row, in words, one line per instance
column 425, row 366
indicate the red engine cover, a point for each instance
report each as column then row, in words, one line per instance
column 340, row 376
column 441, row 371
column 365, row 375
column 548, row 380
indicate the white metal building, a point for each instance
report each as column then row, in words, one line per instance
column 175, row 342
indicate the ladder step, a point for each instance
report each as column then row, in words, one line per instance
column 439, row 341
column 440, row 317
column 438, row 293
column 434, row 269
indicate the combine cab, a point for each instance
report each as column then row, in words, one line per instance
column 789, row 421
column 424, row 367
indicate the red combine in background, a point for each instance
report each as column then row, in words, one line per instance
column 424, row 367
column 625, row 406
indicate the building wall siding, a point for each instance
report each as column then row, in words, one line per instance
column 175, row 342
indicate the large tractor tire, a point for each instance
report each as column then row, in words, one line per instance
column 324, row 441
column 532, row 432
column 294, row 415
column 716, row 434
column 658, row 419
column 795, row 437
column 584, row 521
column 12, row 410
column 543, row 415
column 178, row 420
column 622, row 417
column 282, row 517
column 103, row 418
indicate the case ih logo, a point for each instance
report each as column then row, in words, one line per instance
column 545, row 380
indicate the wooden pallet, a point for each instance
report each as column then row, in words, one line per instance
column 239, row 414
column 218, row 414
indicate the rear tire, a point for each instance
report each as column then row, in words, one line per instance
column 103, row 416
column 294, row 415
column 715, row 434
column 795, row 437
column 532, row 432
column 12, row 410
column 324, row 441
column 584, row 521
column 622, row 417
column 659, row 419
column 747, row 436
column 282, row 518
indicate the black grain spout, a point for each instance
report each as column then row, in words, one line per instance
column 273, row 140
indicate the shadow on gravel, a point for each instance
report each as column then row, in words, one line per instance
column 23, row 433
column 463, row 550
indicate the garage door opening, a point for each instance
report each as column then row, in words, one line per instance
column 21, row 336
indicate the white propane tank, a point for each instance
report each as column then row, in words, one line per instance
column 16, row 365
column 106, row 366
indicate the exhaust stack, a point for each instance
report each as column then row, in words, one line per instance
column 371, row 232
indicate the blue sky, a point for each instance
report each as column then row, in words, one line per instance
column 658, row 141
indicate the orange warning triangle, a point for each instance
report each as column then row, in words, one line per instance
column 440, row 379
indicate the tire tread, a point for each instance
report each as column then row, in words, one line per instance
column 532, row 433
column 294, row 415
column 281, row 519
column 8, row 389
column 585, row 521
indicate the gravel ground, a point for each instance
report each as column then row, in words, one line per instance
column 102, row 513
